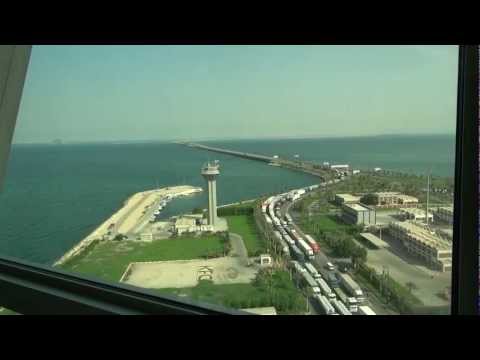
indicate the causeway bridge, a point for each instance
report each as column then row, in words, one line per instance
column 245, row 155
column 296, row 165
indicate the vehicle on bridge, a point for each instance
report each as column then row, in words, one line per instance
column 307, row 250
column 312, row 270
column 365, row 310
column 340, row 307
column 351, row 287
column 313, row 244
column 311, row 283
column 299, row 269
column 324, row 305
column 350, row 302
column 326, row 290
column 297, row 253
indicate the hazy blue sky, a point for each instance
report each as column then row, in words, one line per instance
column 114, row 93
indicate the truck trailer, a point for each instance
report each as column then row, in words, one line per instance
column 351, row 287
column 324, row 305
column 326, row 291
column 365, row 310
column 297, row 253
column 313, row 244
column 307, row 250
column 340, row 307
column 350, row 302
column 312, row 270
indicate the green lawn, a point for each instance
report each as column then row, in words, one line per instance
column 4, row 311
column 327, row 223
column 244, row 226
column 109, row 260
column 283, row 294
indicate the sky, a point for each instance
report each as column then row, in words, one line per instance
column 143, row 93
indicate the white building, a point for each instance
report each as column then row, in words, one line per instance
column 358, row 214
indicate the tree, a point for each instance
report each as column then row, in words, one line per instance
column 411, row 286
column 369, row 199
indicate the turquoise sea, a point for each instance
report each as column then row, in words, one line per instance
column 55, row 195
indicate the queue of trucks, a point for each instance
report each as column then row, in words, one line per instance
column 303, row 248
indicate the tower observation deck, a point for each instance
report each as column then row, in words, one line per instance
column 210, row 171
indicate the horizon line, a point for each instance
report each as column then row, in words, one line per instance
column 173, row 140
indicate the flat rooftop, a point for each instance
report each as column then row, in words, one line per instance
column 356, row 207
column 423, row 235
column 407, row 198
column 348, row 197
column 387, row 193
column 375, row 240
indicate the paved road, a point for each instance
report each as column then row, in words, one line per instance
column 320, row 262
column 238, row 248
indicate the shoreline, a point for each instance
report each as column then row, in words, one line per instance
column 124, row 214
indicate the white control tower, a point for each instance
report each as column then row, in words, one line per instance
column 210, row 172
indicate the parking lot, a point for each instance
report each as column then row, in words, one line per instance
column 403, row 268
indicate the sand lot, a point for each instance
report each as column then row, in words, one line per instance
column 187, row 273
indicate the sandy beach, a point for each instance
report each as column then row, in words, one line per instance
column 127, row 217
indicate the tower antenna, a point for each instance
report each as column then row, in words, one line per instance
column 428, row 195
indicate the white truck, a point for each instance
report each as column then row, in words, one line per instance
column 312, row 284
column 289, row 240
column 324, row 304
column 307, row 250
column 365, row 310
column 340, row 307
column 350, row 302
column 298, row 268
column 326, row 290
column 283, row 243
column 351, row 287
column 312, row 270
column 297, row 253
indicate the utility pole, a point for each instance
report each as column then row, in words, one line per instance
column 428, row 196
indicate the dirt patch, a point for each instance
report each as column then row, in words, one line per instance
column 187, row 273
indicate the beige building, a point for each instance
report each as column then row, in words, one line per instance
column 191, row 223
column 420, row 242
column 395, row 199
column 407, row 200
column 386, row 198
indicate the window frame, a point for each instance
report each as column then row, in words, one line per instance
column 29, row 288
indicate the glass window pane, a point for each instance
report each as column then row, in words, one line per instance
column 280, row 179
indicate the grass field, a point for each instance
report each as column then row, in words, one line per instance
column 4, row 311
column 324, row 222
column 244, row 226
column 283, row 294
column 108, row 260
